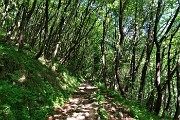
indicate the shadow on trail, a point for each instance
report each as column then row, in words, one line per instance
column 83, row 105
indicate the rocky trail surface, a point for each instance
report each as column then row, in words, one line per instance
column 84, row 105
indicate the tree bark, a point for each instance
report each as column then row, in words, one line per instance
column 46, row 32
column 158, row 61
column 169, row 74
column 133, row 60
column 158, row 80
column 177, row 113
column 25, row 19
column 119, row 45
column 103, row 49
column 149, row 46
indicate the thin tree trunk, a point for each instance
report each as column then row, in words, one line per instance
column 158, row 55
column 169, row 74
column 103, row 49
column 46, row 32
column 22, row 30
column 119, row 49
column 25, row 19
column 158, row 80
column 149, row 45
column 133, row 60
column 177, row 113
column 51, row 30
column 158, row 60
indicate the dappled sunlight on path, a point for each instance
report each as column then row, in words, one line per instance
column 83, row 105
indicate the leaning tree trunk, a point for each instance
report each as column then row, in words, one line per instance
column 45, row 33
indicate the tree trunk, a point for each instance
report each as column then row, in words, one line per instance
column 25, row 19
column 158, row 60
column 119, row 82
column 177, row 113
column 103, row 49
column 149, row 45
column 158, row 80
column 133, row 61
column 46, row 32
column 20, row 37
column 170, row 72
column 119, row 45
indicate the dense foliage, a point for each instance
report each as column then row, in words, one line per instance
column 131, row 46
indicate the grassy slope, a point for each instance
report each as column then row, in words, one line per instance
column 28, row 89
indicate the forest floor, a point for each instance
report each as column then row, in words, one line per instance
column 85, row 105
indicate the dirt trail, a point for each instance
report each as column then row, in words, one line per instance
column 83, row 106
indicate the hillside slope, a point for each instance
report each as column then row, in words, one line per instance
column 29, row 89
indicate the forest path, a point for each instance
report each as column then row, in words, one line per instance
column 84, row 105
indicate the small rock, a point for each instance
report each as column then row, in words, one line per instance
column 121, row 114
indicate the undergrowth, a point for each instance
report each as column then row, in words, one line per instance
column 138, row 111
column 29, row 89
column 104, row 115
